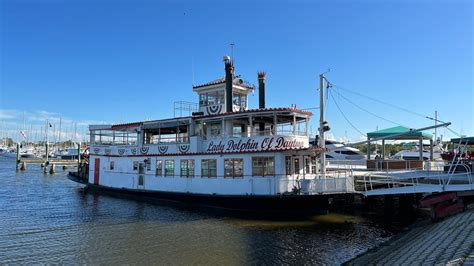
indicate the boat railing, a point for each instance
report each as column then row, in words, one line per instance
column 256, row 133
column 341, row 181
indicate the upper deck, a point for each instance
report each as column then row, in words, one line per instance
column 223, row 124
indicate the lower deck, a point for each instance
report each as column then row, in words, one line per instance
column 271, row 173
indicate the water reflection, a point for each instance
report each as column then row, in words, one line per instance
column 49, row 219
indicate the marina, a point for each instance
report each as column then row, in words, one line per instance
column 57, row 221
column 236, row 133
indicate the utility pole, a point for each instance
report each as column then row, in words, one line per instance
column 322, row 143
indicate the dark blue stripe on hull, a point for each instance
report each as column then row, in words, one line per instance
column 300, row 205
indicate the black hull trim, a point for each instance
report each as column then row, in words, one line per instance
column 297, row 205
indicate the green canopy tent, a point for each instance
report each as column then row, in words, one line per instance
column 397, row 133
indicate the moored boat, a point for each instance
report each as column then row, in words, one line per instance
column 225, row 155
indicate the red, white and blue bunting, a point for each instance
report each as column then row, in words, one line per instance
column 183, row 148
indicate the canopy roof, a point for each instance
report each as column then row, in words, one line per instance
column 398, row 130
column 470, row 140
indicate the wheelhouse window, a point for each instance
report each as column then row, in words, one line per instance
column 169, row 168
column 209, row 168
column 211, row 98
column 187, row 168
column 112, row 165
column 159, row 168
column 263, row 166
column 135, row 166
column 233, row 168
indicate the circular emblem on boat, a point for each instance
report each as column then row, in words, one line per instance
column 214, row 109
column 121, row 152
column 183, row 148
column 108, row 151
column 162, row 149
column 144, row 150
column 96, row 150
column 133, row 151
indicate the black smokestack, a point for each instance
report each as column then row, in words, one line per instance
column 261, row 89
column 229, row 78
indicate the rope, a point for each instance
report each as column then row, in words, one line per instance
column 345, row 117
column 382, row 102
column 395, row 106
column 365, row 110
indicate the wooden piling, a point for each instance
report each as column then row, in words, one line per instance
column 47, row 153
column 78, row 156
column 52, row 168
column 17, row 155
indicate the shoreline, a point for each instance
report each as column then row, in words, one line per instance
column 448, row 241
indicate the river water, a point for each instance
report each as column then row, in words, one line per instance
column 50, row 219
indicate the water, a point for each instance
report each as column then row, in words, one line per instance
column 49, row 219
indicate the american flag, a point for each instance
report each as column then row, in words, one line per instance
column 23, row 133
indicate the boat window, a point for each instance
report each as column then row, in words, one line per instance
column 216, row 130
column 209, row 168
column 348, row 152
column 159, row 167
column 148, row 164
column 112, row 165
column 296, row 167
column 113, row 137
column 166, row 135
column 288, row 165
column 187, row 168
column 263, row 166
column 203, row 99
column 233, row 168
column 135, row 166
column 169, row 168
column 310, row 165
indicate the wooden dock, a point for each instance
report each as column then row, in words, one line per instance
column 52, row 163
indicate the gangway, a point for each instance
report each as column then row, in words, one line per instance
column 415, row 181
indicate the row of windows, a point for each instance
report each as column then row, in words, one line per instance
column 233, row 168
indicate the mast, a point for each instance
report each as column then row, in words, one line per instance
column 59, row 134
column 322, row 142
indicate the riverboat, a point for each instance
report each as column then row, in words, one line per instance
column 224, row 155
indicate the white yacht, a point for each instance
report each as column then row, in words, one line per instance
column 338, row 151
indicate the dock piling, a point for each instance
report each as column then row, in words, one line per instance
column 17, row 155
column 52, row 168
column 23, row 166
column 78, row 156
column 47, row 153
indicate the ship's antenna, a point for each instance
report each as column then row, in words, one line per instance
column 232, row 53
column 192, row 67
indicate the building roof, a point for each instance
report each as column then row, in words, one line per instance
column 398, row 130
column 470, row 140
column 237, row 81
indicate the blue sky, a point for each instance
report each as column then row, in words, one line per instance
column 118, row 61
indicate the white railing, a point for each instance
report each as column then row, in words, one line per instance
column 418, row 181
column 335, row 182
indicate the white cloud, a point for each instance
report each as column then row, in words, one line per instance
column 34, row 124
